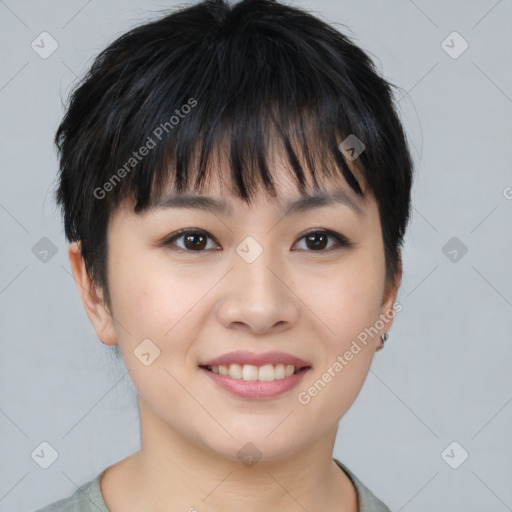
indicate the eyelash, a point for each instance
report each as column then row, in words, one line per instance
column 341, row 240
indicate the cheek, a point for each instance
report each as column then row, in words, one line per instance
column 349, row 298
column 348, row 307
column 159, row 309
column 139, row 286
column 148, row 302
column 164, row 305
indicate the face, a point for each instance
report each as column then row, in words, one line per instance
column 303, row 284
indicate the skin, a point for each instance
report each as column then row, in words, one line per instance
column 198, row 305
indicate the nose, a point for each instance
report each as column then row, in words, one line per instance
column 257, row 297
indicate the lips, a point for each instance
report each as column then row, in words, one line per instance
column 242, row 357
column 256, row 376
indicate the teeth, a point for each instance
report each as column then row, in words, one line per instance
column 279, row 371
column 249, row 372
column 267, row 372
column 235, row 371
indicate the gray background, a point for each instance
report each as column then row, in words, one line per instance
column 445, row 373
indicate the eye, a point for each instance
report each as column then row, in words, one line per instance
column 316, row 239
column 194, row 240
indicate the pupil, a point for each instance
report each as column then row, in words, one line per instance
column 317, row 244
column 190, row 238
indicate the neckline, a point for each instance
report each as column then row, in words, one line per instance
column 358, row 485
column 96, row 496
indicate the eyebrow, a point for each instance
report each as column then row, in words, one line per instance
column 304, row 203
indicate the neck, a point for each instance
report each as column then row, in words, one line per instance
column 170, row 472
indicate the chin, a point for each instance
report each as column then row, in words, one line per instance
column 250, row 446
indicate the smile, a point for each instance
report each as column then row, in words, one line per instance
column 256, row 382
column 266, row 372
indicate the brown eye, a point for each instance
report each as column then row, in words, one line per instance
column 318, row 240
column 196, row 240
column 193, row 240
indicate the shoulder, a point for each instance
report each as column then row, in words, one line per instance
column 87, row 498
column 368, row 502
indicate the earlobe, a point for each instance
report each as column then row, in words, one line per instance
column 92, row 298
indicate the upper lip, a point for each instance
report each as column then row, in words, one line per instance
column 243, row 357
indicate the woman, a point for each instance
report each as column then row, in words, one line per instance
column 235, row 185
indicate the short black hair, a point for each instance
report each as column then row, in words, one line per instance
column 235, row 78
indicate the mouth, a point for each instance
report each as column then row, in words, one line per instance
column 255, row 382
column 249, row 372
column 251, row 375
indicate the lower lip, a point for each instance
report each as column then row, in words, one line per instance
column 257, row 389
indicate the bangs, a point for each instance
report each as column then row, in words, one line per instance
column 244, row 148
column 256, row 95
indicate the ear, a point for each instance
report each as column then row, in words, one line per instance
column 387, row 310
column 92, row 298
